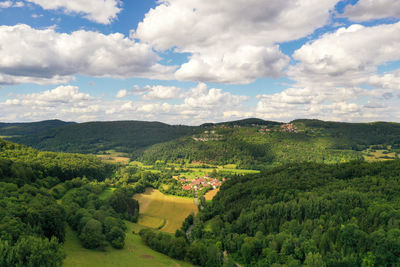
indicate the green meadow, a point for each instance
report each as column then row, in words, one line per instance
column 135, row 253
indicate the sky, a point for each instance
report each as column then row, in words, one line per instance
column 196, row 61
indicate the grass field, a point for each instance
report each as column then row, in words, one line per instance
column 114, row 159
column 134, row 254
column 106, row 193
column 154, row 204
column 378, row 155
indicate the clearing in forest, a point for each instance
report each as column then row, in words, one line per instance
column 163, row 212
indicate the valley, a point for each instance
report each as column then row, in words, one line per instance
column 260, row 194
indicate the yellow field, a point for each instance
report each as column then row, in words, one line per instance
column 211, row 194
column 123, row 160
column 155, row 207
column 152, row 222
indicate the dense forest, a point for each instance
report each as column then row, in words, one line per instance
column 242, row 142
column 92, row 137
column 29, row 128
column 42, row 192
column 299, row 214
column 248, row 148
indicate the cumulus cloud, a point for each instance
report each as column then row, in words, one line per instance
column 331, row 75
column 231, row 41
column 100, row 11
column 347, row 56
column 366, row 10
column 157, row 92
column 46, row 56
column 6, row 4
column 204, row 97
column 196, row 105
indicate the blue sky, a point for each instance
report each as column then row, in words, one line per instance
column 196, row 61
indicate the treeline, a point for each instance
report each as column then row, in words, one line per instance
column 99, row 222
column 21, row 164
column 32, row 223
column 298, row 215
column 138, row 179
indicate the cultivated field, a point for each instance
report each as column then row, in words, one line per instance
column 108, row 158
column 163, row 212
column 135, row 253
column 211, row 194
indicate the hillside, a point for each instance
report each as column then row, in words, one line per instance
column 299, row 215
column 249, row 143
column 93, row 137
column 30, row 128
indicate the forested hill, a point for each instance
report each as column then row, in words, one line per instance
column 248, row 142
column 298, row 215
column 93, row 137
column 353, row 135
column 245, row 122
column 29, row 128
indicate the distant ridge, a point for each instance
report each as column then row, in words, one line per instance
column 27, row 128
column 244, row 122
column 236, row 137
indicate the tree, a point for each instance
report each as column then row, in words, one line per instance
column 92, row 234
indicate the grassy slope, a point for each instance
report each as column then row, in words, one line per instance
column 135, row 253
column 156, row 207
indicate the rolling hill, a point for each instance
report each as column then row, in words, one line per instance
column 93, row 137
column 30, row 128
column 249, row 142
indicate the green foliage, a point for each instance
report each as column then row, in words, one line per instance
column 300, row 215
column 23, row 129
column 32, row 223
column 92, row 234
column 248, row 148
column 122, row 202
column 31, row 251
column 92, row 137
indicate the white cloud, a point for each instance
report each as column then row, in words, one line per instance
column 331, row 73
column 46, row 56
column 157, row 92
column 6, row 4
column 204, row 97
column 231, row 41
column 346, row 57
column 163, row 93
column 198, row 105
column 366, row 10
column 100, row 11
column 51, row 98
column 122, row 93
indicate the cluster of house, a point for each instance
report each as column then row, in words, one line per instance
column 200, row 183
column 287, row 127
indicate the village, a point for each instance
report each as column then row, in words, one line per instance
column 287, row 127
column 200, row 183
